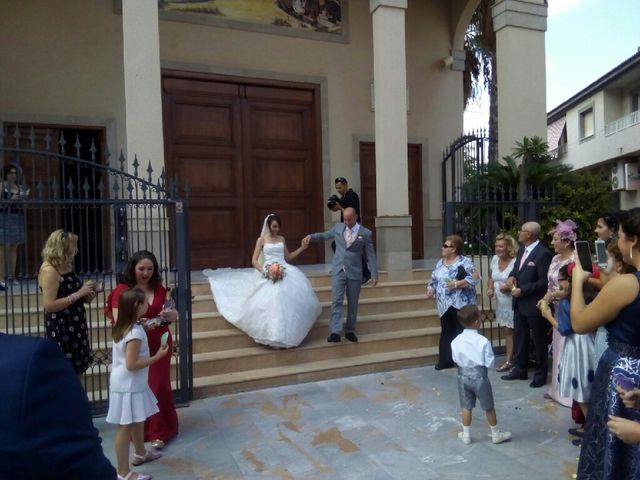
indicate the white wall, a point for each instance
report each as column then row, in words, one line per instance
column 598, row 149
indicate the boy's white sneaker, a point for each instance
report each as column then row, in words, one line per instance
column 500, row 436
column 466, row 439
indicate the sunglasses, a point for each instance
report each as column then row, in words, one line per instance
column 444, row 245
column 340, row 180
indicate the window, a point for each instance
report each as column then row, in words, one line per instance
column 635, row 101
column 587, row 126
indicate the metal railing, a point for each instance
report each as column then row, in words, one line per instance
column 477, row 207
column 114, row 212
column 621, row 123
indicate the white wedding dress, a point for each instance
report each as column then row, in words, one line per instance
column 278, row 314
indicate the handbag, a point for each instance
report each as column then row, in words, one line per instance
column 461, row 274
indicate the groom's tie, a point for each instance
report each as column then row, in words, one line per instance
column 349, row 237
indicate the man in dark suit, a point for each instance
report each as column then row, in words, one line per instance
column 528, row 281
column 46, row 431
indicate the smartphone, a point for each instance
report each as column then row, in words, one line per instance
column 624, row 382
column 601, row 254
column 164, row 339
column 584, row 255
column 99, row 287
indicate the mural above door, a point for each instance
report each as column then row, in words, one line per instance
column 316, row 19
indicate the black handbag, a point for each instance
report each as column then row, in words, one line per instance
column 461, row 274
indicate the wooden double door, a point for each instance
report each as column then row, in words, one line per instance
column 368, row 206
column 247, row 148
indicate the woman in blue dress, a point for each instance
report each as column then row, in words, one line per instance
column 617, row 306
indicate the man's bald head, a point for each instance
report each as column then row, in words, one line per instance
column 533, row 228
column 529, row 233
column 349, row 217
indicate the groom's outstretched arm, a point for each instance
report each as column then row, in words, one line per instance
column 318, row 237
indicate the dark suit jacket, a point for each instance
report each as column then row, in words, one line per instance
column 531, row 279
column 351, row 199
column 46, row 431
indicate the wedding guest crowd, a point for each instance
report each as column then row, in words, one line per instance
column 594, row 314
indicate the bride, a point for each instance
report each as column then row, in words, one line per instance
column 276, row 313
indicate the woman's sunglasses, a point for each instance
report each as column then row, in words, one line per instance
column 444, row 245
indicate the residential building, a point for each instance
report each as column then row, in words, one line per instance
column 600, row 127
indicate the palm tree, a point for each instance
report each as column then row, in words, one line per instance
column 537, row 166
column 480, row 67
column 535, row 175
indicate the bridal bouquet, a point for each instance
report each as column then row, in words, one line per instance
column 273, row 271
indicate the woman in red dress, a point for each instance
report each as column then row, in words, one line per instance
column 142, row 272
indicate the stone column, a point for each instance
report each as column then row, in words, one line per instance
column 393, row 223
column 143, row 98
column 143, row 109
column 522, row 110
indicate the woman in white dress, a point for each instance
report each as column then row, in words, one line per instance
column 278, row 313
column 501, row 265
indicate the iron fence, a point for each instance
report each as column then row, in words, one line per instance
column 114, row 212
column 478, row 207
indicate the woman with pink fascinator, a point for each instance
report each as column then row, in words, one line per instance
column 564, row 236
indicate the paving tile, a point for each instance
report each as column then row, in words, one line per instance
column 390, row 425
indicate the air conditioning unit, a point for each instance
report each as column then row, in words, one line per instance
column 632, row 175
column 618, row 177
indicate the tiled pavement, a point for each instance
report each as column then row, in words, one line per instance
column 392, row 425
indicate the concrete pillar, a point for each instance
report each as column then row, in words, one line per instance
column 393, row 223
column 520, row 49
column 143, row 98
column 143, row 107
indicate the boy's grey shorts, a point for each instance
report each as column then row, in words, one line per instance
column 473, row 382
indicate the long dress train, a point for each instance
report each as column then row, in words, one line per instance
column 278, row 314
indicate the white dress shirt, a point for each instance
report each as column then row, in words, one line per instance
column 470, row 349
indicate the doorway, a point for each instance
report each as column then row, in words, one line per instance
column 368, row 194
column 49, row 177
column 247, row 148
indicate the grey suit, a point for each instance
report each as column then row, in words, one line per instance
column 346, row 272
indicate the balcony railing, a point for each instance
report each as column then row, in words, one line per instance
column 620, row 124
column 559, row 152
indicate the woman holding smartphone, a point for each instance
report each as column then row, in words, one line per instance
column 142, row 271
column 617, row 306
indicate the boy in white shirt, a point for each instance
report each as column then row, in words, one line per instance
column 473, row 354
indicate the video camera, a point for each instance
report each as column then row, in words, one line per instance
column 333, row 201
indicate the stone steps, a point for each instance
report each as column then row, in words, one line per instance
column 397, row 327
column 338, row 366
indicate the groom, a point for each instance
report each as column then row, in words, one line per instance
column 352, row 240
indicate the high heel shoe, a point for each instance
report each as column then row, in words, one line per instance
column 505, row 367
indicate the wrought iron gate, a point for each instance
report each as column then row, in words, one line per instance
column 478, row 208
column 115, row 213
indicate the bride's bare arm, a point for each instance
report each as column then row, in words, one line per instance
column 256, row 254
column 288, row 256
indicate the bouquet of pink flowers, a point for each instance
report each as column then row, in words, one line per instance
column 273, row 271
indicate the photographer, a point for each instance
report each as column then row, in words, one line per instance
column 347, row 198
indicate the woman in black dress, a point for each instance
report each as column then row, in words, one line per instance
column 63, row 297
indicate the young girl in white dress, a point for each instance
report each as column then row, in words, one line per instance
column 576, row 368
column 131, row 401
column 274, row 312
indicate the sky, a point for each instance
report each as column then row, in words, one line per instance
column 584, row 40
